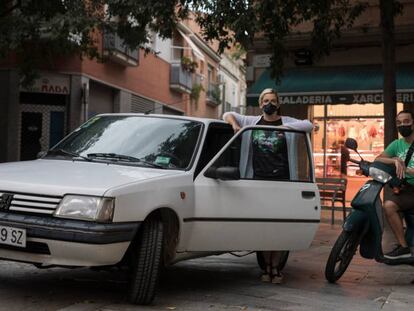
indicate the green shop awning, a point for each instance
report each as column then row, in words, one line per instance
column 334, row 85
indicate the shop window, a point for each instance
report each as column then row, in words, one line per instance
column 363, row 122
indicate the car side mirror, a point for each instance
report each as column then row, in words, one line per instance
column 211, row 172
column 223, row 173
column 351, row 143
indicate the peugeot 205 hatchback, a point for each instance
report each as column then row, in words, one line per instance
column 150, row 190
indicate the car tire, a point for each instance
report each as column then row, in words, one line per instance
column 146, row 262
column 282, row 262
column 341, row 255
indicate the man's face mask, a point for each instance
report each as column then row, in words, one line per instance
column 405, row 130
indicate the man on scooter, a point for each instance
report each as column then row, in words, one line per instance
column 396, row 153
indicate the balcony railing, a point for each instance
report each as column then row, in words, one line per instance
column 180, row 80
column 213, row 94
column 114, row 49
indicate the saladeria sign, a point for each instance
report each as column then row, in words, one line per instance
column 353, row 98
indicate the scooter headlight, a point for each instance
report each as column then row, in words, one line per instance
column 379, row 175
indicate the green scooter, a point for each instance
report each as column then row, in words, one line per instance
column 364, row 225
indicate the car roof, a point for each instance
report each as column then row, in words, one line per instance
column 166, row 116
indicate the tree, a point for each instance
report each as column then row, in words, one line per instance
column 389, row 9
column 276, row 20
column 40, row 30
column 37, row 32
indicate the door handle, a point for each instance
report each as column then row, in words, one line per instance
column 308, row 194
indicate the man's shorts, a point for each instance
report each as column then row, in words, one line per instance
column 405, row 199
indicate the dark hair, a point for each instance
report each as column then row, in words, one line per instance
column 407, row 111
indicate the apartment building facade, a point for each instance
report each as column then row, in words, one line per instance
column 179, row 76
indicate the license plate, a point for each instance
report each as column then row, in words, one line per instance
column 13, row 236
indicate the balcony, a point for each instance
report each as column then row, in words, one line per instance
column 213, row 94
column 115, row 50
column 180, row 80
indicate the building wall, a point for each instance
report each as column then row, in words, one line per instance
column 150, row 79
column 101, row 99
column 9, row 97
column 360, row 45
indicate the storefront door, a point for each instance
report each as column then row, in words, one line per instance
column 31, row 132
column 43, row 120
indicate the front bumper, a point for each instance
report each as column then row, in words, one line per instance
column 57, row 241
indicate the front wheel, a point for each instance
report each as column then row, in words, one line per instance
column 146, row 262
column 341, row 255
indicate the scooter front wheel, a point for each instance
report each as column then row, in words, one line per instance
column 341, row 255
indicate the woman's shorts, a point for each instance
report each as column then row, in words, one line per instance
column 405, row 199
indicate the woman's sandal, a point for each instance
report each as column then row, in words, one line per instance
column 266, row 276
column 277, row 276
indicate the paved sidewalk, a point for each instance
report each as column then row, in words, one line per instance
column 218, row 283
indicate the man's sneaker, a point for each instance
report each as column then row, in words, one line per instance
column 399, row 252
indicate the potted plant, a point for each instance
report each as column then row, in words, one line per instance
column 188, row 64
column 195, row 92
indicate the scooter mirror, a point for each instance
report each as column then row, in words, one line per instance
column 351, row 143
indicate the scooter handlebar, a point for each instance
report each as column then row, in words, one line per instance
column 354, row 161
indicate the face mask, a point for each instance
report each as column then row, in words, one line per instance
column 405, row 130
column 270, row 109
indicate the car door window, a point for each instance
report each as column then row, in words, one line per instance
column 218, row 134
column 265, row 153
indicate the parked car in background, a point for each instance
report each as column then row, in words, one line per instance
column 150, row 190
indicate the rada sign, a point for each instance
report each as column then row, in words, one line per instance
column 50, row 84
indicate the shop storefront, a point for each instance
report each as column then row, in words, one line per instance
column 335, row 123
column 43, row 116
column 342, row 102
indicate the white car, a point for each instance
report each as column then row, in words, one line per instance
column 150, row 190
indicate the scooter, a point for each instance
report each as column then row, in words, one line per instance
column 364, row 225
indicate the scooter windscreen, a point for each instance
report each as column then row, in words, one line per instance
column 383, row 173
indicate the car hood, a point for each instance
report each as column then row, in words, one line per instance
column 60, row 177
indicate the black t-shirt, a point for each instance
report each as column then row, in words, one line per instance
column 270, row 158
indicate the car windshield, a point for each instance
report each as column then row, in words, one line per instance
column 133, row 140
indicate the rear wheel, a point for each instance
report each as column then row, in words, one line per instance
column 282, row 262
column 341, row 255
column 146, row 262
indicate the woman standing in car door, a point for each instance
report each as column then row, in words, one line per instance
column 270, row 157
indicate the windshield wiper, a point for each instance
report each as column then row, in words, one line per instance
column 123, row 157
column 66, row 152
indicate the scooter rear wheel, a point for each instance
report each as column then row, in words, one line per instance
column 341, row 255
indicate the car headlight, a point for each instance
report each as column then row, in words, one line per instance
column 86, row 208
column 379, row 175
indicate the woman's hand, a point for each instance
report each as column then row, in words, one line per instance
column 236, row 127
column 399, row 168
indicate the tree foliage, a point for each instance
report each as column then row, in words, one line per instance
column 41, row 30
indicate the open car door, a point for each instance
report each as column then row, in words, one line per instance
column 240, row 206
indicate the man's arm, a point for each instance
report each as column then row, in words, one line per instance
column 400, row 168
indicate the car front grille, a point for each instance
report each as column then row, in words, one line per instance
column 32, row 203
